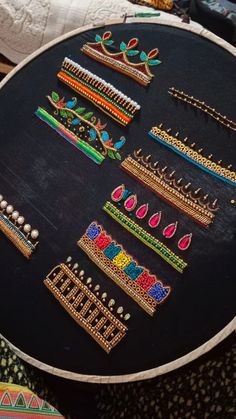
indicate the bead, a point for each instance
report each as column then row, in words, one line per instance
column 34, row 234
column 120, row 310
column 111, row 303
column 27, row 228
column 20, row 220
column 3, row 204
column 9, row 209
column 1, row 198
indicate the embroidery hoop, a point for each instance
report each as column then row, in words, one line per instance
column 210, row 343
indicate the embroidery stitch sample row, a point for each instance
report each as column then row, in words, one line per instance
column 196, row 103
column 84, row 306
column 80, row 128
column 146, row 289
column 102, row 94
column 169, row 189
column 13, row 225
column 153, row 243
column 193, row 156
column 120, row 193
column 120, row 60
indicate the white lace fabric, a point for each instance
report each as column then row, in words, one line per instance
column 26, row 25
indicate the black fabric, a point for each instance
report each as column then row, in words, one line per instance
column 60, row 191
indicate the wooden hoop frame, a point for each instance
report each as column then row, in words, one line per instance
column 221, row 335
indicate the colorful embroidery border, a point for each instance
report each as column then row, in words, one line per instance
column 12, row 232
column 105, row 96
column 146, row 289
column 78, row 299
column 168, row 189
column 69, row 136
column 119, row 61
column 156, row 245
column 19, row 402
column 188, row 153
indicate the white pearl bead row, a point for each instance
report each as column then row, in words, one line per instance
column 99, row 79
column 17, row 218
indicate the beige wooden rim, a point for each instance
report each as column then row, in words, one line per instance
column 230, row 327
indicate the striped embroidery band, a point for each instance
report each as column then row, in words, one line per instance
column 102, row 94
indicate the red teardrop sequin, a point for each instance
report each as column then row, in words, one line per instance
column 185, row 241
column 142, row 211
column 170, row 230
column 106, row 36
column 153, row 53
column 154, row 220
column 132, row 43
column 130, row 203
column 118, row 193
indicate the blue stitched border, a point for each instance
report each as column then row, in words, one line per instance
column 230, row 182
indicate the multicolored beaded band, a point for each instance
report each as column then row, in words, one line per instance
column 119, row 60
column 102, row 94
column 196, row 103
column 146, row 289
column 193, row 156
column 156, row 245
column 168, row 188
column 13, row 225
column 80, row 128
column 75, row 294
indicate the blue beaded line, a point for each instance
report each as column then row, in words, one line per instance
column 16, row 231
column 230, row 182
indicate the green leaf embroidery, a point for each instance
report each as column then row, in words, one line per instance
column 55, row 97
column 70, row 115
column 154, row 62
column 132, row 52
column 111, row 154
column 88, row 115
column 98, row 38
column 109, row 42
column 123, row 46
column 79, row 110
column 143, row 56
column 63, row 113
column 118, row 156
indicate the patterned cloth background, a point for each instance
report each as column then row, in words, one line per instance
column 204, row 389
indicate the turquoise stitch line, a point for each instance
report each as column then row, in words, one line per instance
column 18, row 233
column 230, row 182
column 98, row 91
